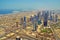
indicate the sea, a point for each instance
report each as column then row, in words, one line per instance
column 10, row 11
column 2, row 12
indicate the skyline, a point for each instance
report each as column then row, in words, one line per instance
column 29, row 4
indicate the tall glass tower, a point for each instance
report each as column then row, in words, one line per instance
column 35, row 27
column 53, row 16
column 32, row 19
column 24, row 23
column 24, row 19
column 45, row 18
column 56, row 18
column 50, row 17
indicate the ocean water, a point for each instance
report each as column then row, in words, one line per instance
column 10, row 11
column 6, row 11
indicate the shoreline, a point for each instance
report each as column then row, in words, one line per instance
column 23, row 13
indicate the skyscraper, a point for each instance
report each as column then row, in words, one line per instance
column 35, row 27
column 34, row 22
column 56, row 18
column 42, row 14
column 39, row 15
column 50, row 16
column 53, row 16
column 24, row 19
column 32, row 19
column 35, row 18
column 24, row 22
column 45, row 18
column 24, row 25
column 39, row 22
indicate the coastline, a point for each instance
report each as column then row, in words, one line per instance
column 23, row 13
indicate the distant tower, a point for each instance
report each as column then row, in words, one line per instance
column 43, row 14
column 35, row 27
column 32, row 19
column 24, row 25
column 45, row 18
column 39, row 15
column 56, row 18
column 24, row 22
column 24, row 19
column 50, row 13
column 39, row 22
column 53, row 16
column 35, row 18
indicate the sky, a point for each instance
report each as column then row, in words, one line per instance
column 29, row 4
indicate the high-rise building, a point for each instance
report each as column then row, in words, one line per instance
column 42, row 14
column 35, row 18
column 39, row 15
column 35, row 27
column 34, row 22
column 24, row 19
column 50, row 16
column 39, row 22
column 32, row 19
column 24, row 25
column 56, row 18
column 53, row 16
column 45, row 18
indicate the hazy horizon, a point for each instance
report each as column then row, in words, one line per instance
column 29, row 4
